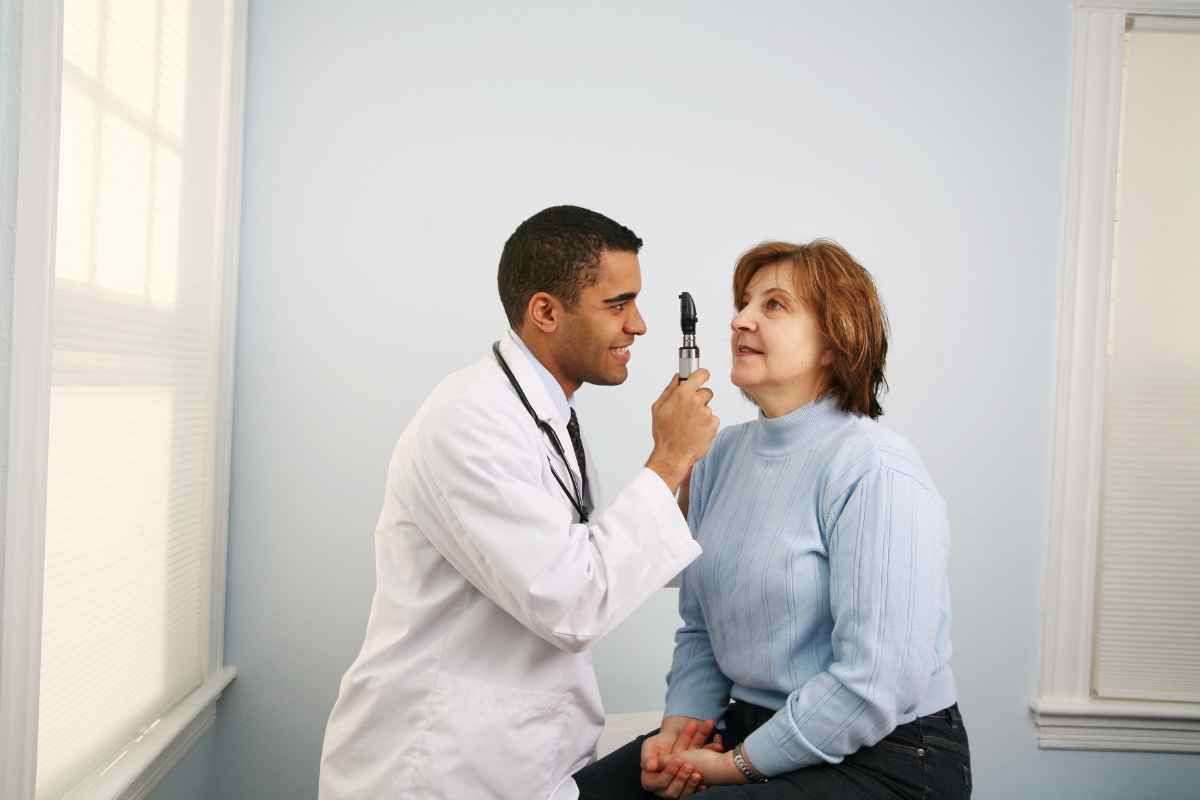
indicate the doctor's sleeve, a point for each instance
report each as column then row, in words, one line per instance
column 479, row 496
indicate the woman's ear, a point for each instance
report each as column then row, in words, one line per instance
column 827, row 358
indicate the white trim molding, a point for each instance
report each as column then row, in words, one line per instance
column 234, row 127
column 29, row 410
column 1158, row 8
column 1116, row 725
column 137, row 769
column 1066, row 712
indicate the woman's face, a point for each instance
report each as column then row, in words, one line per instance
column 780, row 357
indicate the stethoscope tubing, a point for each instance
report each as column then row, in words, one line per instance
column 574, row 494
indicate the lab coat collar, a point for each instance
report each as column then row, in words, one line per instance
column 554, row 389
column 545, row 394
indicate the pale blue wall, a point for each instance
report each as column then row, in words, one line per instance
column 194, row 778
column 391, row 148
column 10, row 122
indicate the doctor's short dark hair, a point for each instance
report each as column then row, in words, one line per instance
column 557, row 251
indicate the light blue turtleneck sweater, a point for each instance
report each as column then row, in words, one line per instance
column 822, row 590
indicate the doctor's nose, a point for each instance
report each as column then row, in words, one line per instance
column 635, row 325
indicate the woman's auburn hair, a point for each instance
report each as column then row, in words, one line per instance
column 842, row 296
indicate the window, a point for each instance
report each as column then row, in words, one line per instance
column 1121, row 645
column 1147, row 637
column 135, row 391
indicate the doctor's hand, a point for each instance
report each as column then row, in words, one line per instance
column 664, row 771
column 683, row 426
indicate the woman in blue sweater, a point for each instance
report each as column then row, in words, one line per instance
column 816, row 624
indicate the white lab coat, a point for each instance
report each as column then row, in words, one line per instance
column 474, row 679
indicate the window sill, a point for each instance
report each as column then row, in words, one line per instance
column 134, row 773
column 1094, row 724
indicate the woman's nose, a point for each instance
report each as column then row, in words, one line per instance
column 742, row 322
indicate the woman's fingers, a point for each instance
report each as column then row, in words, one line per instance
column 650, row 755
column 684, row 740
column 717, row 745
column 668, row 777
column 703, row 731
column 653, row 750
column 660, row 781
column 677, row 785
column 650, row 781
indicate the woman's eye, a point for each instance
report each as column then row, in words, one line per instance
column 774, row 305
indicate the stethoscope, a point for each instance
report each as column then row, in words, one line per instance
column 575, row 496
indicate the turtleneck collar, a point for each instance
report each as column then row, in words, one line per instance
column 799, row 429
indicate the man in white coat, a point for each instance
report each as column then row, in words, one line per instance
column 495, row 572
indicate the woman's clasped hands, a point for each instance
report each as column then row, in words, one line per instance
column 679, row 760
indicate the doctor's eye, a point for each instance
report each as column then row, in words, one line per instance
column 618, row 307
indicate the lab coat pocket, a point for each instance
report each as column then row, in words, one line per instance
column 489, row 740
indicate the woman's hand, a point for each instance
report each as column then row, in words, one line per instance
column 656, row 748
column 678, row 778
column 715, row 766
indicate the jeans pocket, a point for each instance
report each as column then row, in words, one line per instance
column 945, row 744
column 947, row 768
column 914, row 750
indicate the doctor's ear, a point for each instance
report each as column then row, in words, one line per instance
column 544, row 312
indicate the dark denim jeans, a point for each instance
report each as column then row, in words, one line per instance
column 927, row 759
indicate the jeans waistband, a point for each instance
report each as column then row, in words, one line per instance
column 950, row 713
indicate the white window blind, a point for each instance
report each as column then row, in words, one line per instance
column 1148, row 600
column 134, row 409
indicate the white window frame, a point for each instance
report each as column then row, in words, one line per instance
column 145, row 762
column 1066, row 713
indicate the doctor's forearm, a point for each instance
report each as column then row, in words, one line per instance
column 672, row 468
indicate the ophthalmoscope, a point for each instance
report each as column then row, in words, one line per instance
column 689, row 353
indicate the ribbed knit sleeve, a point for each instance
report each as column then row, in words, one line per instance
column 696, row 686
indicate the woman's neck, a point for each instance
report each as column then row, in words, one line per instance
column 786, row 399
